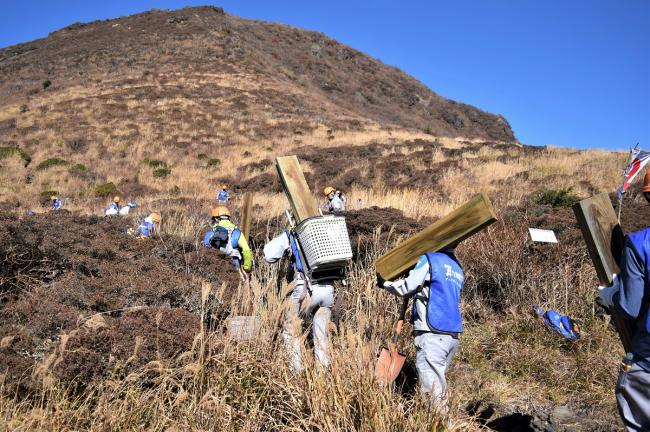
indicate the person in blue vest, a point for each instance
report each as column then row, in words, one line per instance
column 114, row 208
column 310, row 297
column 629, row 295
column 147, row 228
column 434, row 284
column 56, row 202
column 222, row 196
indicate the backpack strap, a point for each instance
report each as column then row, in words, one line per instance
column 234, row 238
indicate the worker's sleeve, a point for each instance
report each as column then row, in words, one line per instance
column 411, row 284
column 337, row 204
column 629, row 298
column 247, row 253
column 276, row 248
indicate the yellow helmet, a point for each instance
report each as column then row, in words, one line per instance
column 220, row 211
column 116, row 199
column 328, row 190
column 224, row 187
column 155, row 217
column 53, row 198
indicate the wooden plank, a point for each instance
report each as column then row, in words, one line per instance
column 295, row 186
column 246, row 214
column 466, row 220
column 604, row 238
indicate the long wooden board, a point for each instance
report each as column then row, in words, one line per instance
column 604, row 238
column 466, row 220
column 295, row 186
column 246, row 214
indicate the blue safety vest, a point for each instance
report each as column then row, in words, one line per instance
column 446, row 282
column 223, row 195
column 296, row 262
column 641, row 242
column 145, row 229
column 56, row 204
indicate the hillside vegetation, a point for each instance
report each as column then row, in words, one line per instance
column 101, row 331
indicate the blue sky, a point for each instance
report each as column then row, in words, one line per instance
column 572, row 73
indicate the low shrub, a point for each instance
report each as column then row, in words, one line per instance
column 106, row 189
column 46, row 84
column 213, row 163
column 51, row 162
column 202, row 156
column 162, row 172
column 557, row 197
column 15, row 151
column 47, row 194
column 78, row 169
column 154, row 163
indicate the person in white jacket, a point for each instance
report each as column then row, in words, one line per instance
column 309, row 298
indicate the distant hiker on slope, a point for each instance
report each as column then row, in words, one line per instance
column 308, row 298
column 229, row 240
column 335, row 200
column 148, row 226
column 435, row 285
column 629, row 295
column 114, row 207
column 56, row 202
column 222, row 195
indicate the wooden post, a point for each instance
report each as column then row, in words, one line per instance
column 246, row 215
column 466, row 220
column 604, row 238
column 295, row 186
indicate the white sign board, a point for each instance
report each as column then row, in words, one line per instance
column 541, row 235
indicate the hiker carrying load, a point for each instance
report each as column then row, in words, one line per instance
column 629, row 296
column 435, row 284
column 315, row 268
column 230, row 241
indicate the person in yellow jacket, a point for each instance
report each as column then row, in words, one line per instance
column 226, row 237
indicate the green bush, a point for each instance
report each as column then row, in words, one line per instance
column 47, row 194
column 557, row 198
column 247, row 153
column 427, row 130
column 78, row 169
column 106, row 189
column 175, row 191
column 11, row 151
column 202, row 156
column 162, row 172
column 52, row 162
column 154, row 163
column 213, row 163
column 46, row 84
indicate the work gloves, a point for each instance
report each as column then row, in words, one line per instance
column 606, row 294
column 380, row 281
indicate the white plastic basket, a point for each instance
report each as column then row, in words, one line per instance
column 325, row 241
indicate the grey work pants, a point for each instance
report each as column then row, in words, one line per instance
column 633, row 398
column 433, row 355
column 301, row 305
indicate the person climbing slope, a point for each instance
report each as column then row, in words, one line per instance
column 435, row 284
column 629, row 295
column 229, row 240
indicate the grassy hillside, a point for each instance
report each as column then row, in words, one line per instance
column 102, row 331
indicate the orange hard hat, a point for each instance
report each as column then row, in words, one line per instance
column 328, row 190
column 116, row 199
column 220, row 211
column 646, row 182
column 155, row 217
